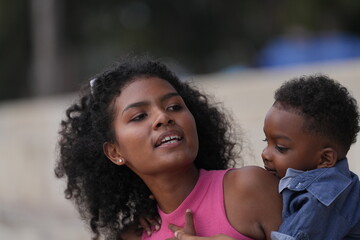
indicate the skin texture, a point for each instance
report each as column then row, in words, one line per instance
column 147, row 111
column 247, row 192
column 149, row 108
column 289, row 146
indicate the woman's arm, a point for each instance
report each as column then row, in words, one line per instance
column 252, row 202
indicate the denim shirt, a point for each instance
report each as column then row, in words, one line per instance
column 320, row 204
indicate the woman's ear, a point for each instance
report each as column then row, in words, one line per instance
column 111, row 151
column 328, row 158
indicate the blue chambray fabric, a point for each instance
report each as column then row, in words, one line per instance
column 320, row 204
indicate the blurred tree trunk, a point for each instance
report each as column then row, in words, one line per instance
column 46, row 70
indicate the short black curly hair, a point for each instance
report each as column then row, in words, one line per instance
column 327, row 106
column 110, row 196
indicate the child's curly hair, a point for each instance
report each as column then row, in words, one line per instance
column 109, row 196
column 327, row 106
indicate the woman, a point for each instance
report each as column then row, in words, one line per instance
column 141, row 143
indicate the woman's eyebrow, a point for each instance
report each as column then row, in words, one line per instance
column 144, row 103
column 136, row 104
column 169, row 95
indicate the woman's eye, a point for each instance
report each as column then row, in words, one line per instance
column 175, row 107
column 138, row 117
column 281, row 149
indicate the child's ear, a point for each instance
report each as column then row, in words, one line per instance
column 328, row 158
column 111, row 151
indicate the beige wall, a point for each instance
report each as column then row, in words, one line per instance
column 250, row 94
column 32, row 205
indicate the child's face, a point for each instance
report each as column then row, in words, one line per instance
column 288, row 145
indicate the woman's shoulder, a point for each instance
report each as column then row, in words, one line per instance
column 251, row 182
column 250, row 177
column 252, row 201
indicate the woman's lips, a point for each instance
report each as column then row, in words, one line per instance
column 168, row 138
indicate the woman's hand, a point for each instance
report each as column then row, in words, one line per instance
column 188, row 232
column 150, row 225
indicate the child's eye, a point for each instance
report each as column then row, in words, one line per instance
column 265, row 140
column 175, row 107
column 281, row 149
column 138, row 117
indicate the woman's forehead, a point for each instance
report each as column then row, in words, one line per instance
column 143, row 89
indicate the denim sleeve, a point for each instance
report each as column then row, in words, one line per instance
column 282, row 236
column 304, row 217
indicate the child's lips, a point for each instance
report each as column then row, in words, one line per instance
column 272, row 171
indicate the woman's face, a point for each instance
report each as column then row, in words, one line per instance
column 154, row 129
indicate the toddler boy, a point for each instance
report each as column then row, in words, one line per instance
column 309, row 130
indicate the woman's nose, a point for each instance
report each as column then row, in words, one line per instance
column 163, row 119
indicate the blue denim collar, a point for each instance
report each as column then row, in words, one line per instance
column 325, row 184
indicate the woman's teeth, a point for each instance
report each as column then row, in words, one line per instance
column 168, row 138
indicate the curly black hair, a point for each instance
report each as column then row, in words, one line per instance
column 327, row 106
column 109, row 197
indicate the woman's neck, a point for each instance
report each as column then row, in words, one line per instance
column 171, row 189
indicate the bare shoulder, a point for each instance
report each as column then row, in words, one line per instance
column 250, row 177
column 249, row 183
column 252, row 201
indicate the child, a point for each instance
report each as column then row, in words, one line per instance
column 309, row 130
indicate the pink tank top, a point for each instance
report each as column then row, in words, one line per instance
column 206, row 201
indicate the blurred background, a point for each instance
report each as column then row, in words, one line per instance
column 237, row 51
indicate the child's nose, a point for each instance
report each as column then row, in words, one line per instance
column 265, row 155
